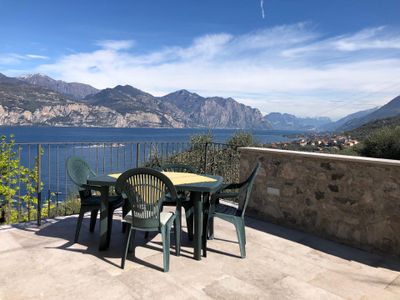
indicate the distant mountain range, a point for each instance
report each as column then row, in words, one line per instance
column 364, row 130
column 291, row 122
column 73, row 90
column 40, row 100
column 343, row 122
column 391, row 109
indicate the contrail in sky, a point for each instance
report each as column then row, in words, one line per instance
column 262, row 9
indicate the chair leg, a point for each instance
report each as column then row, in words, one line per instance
column 126, row 245
column 109, row 223
column 93, row 218
column 177, row 228
column 146, row 235
column 189, row 221
column 244, row 232
column 125, row 210
column 131, row 248
column 239, row 225
column 78, row 225
column 165, row 233
column 211, row 228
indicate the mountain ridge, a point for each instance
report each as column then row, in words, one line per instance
column 26, row 103
column 335, row 126
column 74, row 90
column 215, row 112
column 390, row 109
column 127, row 106
column 285, row 121
column 364, row 130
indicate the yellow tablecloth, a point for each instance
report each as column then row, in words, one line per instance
column 178, row 178
column 115, row 175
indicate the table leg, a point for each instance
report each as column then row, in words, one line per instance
column 206, row 207
column 198, row 223
column 104, row 240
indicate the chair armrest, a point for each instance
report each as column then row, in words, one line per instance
column 92, row 187
column 215, row 197
column 226, row 195
column 233, row 186
column 230, row 186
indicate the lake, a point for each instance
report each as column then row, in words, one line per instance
column 74, row 134
column 108, row 149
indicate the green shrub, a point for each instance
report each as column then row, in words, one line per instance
column 242, row 139
column 209, row 157
column 14, row 177
column 382, row 143
column 200, row 139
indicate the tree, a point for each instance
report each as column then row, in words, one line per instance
column 14, row 178
column 199, row 140
column 382, row 143
column 242, row 139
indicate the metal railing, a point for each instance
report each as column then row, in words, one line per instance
column 56, row 194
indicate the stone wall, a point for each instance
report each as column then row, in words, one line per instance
column 353, row 200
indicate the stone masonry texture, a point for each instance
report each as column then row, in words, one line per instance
column 355, row 201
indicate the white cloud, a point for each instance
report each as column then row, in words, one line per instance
column 15, row 58
column 116, row 44
column 205, row 47
column 285, row 68
column 35, row 56
column 378, row 38
column 372, row 38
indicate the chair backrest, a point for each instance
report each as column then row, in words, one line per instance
column 78, row 170
column 245, row 190
column 178, row 168
column 145, row 190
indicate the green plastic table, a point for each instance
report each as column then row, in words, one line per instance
column 196, row 189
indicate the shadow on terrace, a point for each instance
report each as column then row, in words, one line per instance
column 44, row 262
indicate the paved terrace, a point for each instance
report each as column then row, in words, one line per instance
column 43, row 263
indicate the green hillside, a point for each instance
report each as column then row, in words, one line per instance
column 363, row 131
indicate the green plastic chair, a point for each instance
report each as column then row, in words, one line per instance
column 187, row 203
column 145, row 189
column 79, row 171
column 235, row 215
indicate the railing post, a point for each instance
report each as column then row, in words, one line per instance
column 49, row 181
column 19, row 186
column 137, row 155
column 205, row 157
column 38, row 184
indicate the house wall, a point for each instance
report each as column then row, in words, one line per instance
column 353, row 200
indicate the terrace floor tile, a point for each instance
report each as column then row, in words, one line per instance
column 281, row 263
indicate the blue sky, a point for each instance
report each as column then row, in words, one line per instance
column 306, row 57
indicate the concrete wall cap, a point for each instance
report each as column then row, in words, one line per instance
column 381, row 161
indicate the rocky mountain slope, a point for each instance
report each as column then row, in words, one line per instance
column 334, row 126
column 364, row 130
column 77, row 115
column 25, row 103
column 284, row 121
column 22, row 103
column 214, row 112
column 129, row 100
column 72, row 90
column 391, row 109
column 15, row 93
